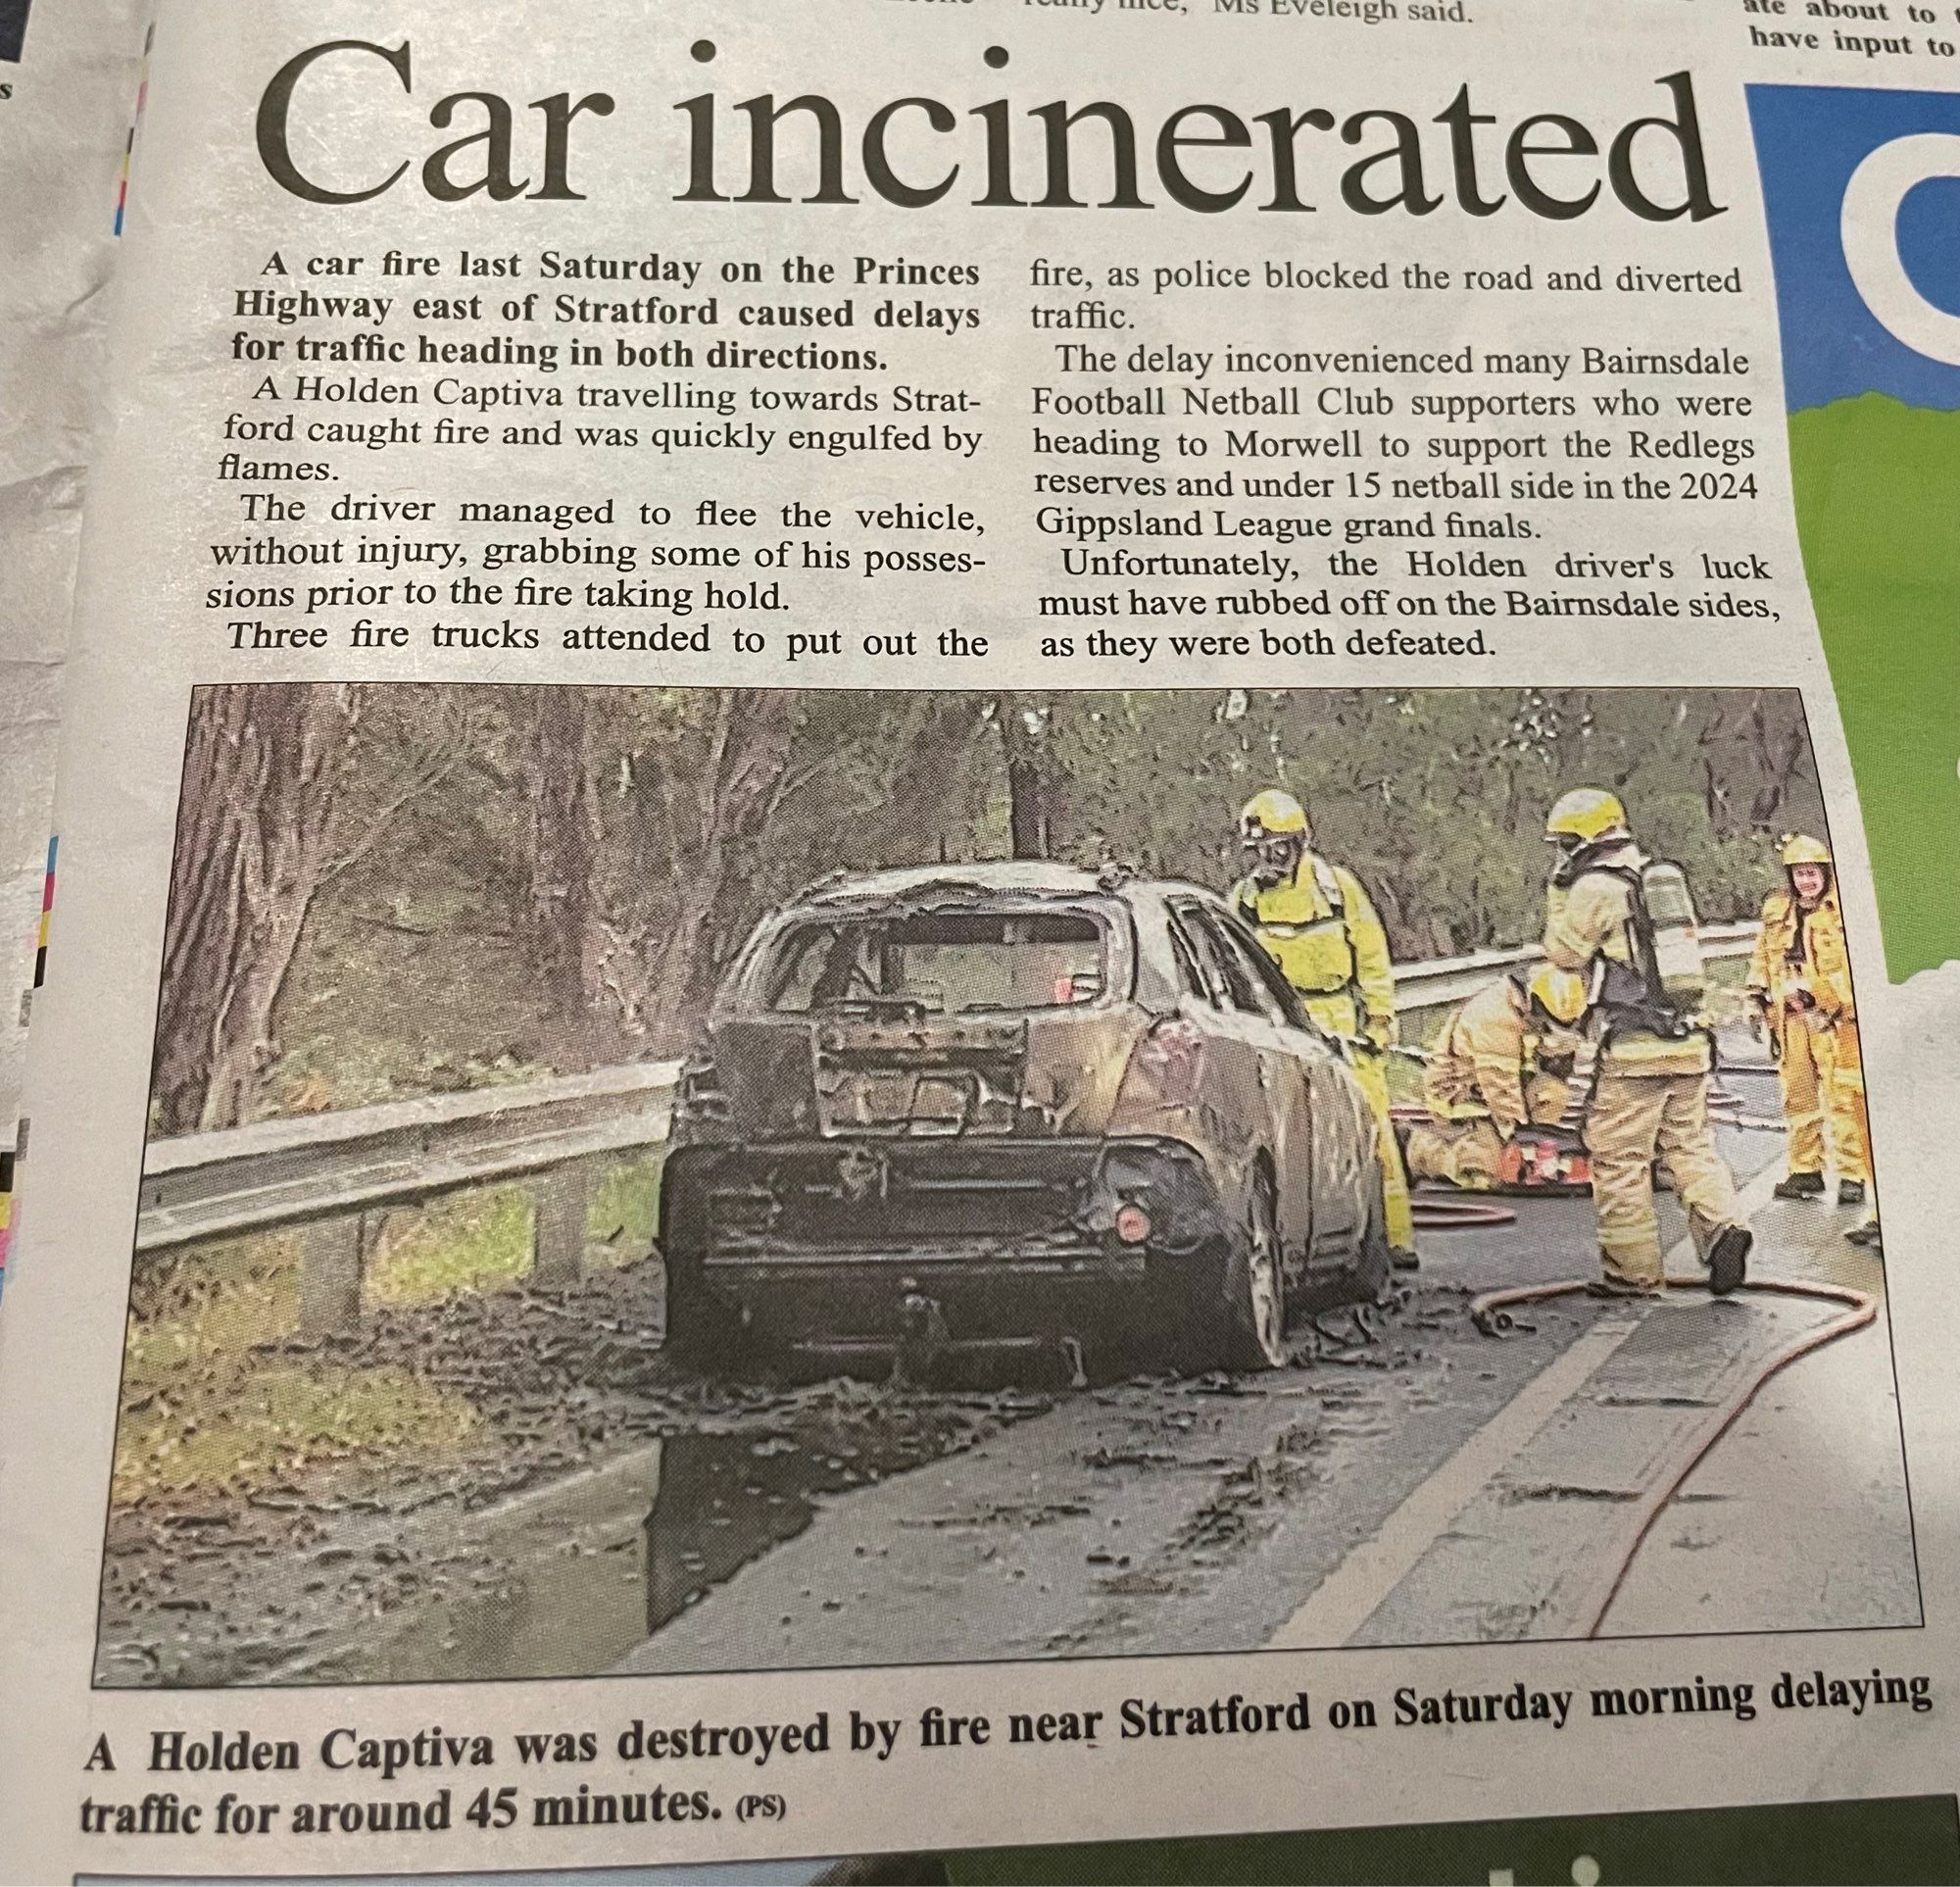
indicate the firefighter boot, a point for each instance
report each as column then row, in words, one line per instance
column 1703, row 1183
column 1729, row 1260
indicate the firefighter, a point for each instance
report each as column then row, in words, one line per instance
column 1501, row 1061
column 1799, row 982
column 1319, row 926
column 1607, row 922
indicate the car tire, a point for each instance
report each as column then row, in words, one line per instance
column 1373, row 1264
column 1252, row 1330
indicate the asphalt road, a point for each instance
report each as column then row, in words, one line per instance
column 1409, row 1480
column 1432, row 1486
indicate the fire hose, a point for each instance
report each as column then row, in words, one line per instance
column 1434, row 1214
column 1492, row 1314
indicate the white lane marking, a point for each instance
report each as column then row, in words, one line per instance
column 1345, row 1601
column 1353, row 1591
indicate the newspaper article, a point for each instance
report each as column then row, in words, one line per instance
column 970, row 917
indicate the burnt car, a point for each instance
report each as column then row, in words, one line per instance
column 993, row 1106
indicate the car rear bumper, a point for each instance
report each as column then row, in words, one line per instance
column 867, row 1243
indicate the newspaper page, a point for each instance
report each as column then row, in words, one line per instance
column 969, row 921
column 66, row 100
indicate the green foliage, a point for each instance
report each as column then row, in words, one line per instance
column 1436, row 797
column 481, row 1241
column 625, row 1212
column 261, row 1428
column 470, row 1241
column 208, row 1407
column 1877, row 509
column 416, row 971
column 188, row 1308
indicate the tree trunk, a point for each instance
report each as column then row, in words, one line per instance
column 748, row 747
column 562, row 856
column 263, row 773
column 1779, row 742
column 1027, row 782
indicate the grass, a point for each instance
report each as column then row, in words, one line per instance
column 472, row 1241
column 206, row 1411
column 481, row 1241
column 208, row 1303
column 625, row 1214
column 251, row 1430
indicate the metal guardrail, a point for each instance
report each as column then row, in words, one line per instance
column 282, row 1172
column 1450, row 980
column 333, row 1176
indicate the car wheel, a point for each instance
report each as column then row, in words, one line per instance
column 1254, row 1322
column 1369, row 1275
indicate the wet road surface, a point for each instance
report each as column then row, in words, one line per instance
column 1408, row 1480
column 1178, row 1517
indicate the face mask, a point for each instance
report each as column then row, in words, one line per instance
column 1273, row 860
column 1566, row 860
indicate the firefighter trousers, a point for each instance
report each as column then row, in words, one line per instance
column 1372, row 1072
column 1822, row 1077
column 1635, row 1120
column 1850, row 1124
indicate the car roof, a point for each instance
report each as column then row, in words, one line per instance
column 1146, row 944
column 1015, row 878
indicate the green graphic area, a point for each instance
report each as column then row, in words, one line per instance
column 1877, row 509
column 1909, row 1838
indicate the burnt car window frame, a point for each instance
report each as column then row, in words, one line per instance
column 782, row 963
column 1191, row 977
column 1292, row 1012
column 1243, row 965
column 755, row 984
column 1215, row 959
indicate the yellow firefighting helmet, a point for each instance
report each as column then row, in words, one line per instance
column 1558, row 992
column 1273, row 815
column 1800, row 849
column 1586, row 813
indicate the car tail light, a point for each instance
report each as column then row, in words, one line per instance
column 702, row 1099
column 1164, row 1072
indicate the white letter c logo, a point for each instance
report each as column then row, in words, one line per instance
column 1869, row 231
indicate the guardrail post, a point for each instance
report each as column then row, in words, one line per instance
column 332, row 1260
column 559, row 1202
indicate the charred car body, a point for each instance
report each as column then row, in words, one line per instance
column 999, row 1105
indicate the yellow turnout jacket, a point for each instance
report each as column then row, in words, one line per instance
column 1483, row 1061
column 1321, row 928
column 1591, row 920
column 1803, row 951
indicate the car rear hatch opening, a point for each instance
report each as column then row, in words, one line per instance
column 921, row 1021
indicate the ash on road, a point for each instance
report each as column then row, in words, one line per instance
column 618, row 1514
